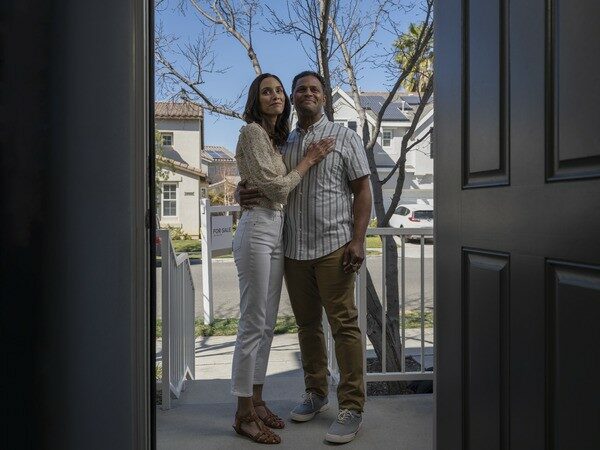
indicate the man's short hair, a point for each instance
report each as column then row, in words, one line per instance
column 307, row 73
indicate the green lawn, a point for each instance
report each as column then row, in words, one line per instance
column 187, row 245
column 373, row 242
column 285, row 324
column 228, row 327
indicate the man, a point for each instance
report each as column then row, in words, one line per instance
column 326, row 218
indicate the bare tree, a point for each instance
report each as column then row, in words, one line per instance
column 234, row 17
column 308, row 21
column 412, row 56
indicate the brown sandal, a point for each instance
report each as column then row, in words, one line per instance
column 264, row 435
column 271, row 420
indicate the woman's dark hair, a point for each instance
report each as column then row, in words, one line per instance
column 252, row 111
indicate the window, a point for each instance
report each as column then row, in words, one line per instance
column 403, row 211
column 167, row 138
column 169, row 200
column 387, row 138
column 352, row 125
column 426, row 215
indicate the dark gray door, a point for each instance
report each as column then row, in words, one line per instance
column 517, row 224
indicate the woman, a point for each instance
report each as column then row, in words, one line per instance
column 258, row 248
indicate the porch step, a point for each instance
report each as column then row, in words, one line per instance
column 203, row 416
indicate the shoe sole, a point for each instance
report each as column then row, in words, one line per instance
column 337, row 439
column 306, row 417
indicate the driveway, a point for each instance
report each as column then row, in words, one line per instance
column 226, row 293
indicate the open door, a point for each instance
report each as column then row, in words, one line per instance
column 517, row 224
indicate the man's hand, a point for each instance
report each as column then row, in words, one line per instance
column 246, row 197
column 354, row 255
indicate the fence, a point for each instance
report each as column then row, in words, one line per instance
column 178, row 363
column 361, row 297
column 361, row 301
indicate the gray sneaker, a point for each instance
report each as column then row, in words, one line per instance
column 312, row 404
column 345, row 427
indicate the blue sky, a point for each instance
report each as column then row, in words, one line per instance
column 278, row 54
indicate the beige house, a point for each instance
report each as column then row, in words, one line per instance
column 225, row 189
column 181, row 128
column 220, row 163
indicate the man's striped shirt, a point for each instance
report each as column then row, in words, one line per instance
column 319, row 217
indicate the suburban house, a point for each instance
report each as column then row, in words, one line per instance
column 220, row 162
column 185, row 178
column 222, row 170
column 225, row 189
column 418, row 184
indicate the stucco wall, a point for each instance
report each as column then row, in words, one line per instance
column 186, row 138
column 188, row 204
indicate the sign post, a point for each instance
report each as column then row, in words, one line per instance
column 206, row 235
column 217, row 237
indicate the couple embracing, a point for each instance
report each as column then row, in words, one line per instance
column 305, row 210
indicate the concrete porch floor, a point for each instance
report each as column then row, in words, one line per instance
column 202, row 417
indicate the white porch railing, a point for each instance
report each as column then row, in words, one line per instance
column 178, row 293
column 361, row 301
column 208, row 210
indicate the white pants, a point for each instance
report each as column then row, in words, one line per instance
column 258, row 253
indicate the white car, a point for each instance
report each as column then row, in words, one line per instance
column 412, row 216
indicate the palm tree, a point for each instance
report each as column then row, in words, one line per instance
column 405, row 46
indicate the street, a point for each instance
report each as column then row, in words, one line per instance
column 226, row 293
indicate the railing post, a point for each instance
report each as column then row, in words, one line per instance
column 207, row 286
column 361, row 303
column 192, row 332
column 165, row 269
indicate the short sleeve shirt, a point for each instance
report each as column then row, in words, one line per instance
column 319, row 218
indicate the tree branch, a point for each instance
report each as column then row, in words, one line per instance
column 207, row 104
column 225, row 16
column 404, row 150
column 409, row 148
column 422, row 42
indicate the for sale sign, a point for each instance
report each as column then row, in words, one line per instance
column 221, row 235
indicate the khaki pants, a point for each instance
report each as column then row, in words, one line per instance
column 322, row 283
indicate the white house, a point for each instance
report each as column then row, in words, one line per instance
column 418, row 184
column 181, row 126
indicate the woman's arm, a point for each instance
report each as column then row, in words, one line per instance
column 260, row 158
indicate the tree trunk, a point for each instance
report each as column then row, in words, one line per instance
column 394, row 351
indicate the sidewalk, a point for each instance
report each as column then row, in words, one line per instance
column 201, row 418
column 214, row 353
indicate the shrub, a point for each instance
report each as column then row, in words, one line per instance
column 177, row 233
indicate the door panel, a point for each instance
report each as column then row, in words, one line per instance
column 485, row 340
column 573, row 90
column 517, row 212
column 485, row 135
column 573, row 306
column 484, row 83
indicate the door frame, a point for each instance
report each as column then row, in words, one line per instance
column 143, row 284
